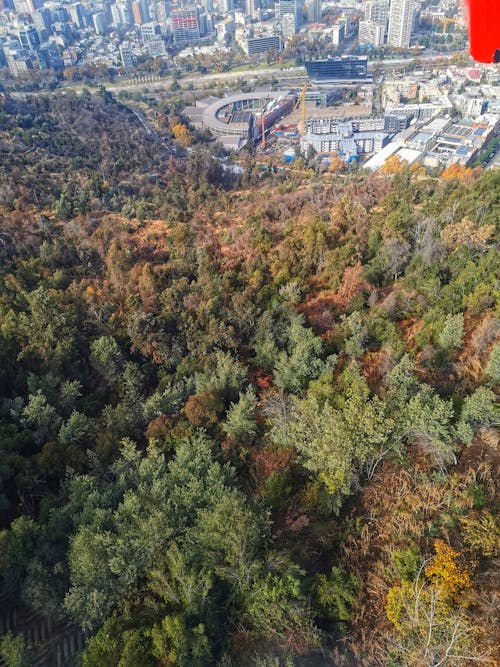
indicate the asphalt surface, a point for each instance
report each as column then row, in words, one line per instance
column 200, row 81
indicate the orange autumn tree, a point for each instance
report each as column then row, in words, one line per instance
column 457, row 171
column 336, row 163
column 182, row 134
column 467, row 233
column 352, row 284
column 393, row 165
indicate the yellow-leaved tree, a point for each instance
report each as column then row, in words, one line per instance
column 432, row 625
column 182, row 134
column 393, row 165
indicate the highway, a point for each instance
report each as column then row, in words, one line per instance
column 202, row 81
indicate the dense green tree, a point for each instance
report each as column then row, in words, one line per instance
column 450, row 336
column 301, row 362
column 47, row 329
column 335, row 335
column 224, row 377
column 427, row 421
column 479, row 409
column 174, row 644
column 278, row 609
column 339, row 442
column 64, row 207
column 14, row 651
column 166, row 401
column 16, row 547
column 336, row 595
column 240, row 422
column 105, row 648
column 492, row 370
column 107, row 358
column 112, row 552
column 39, row 414
column 77, row 429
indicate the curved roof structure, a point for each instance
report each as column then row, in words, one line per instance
column 212, row 112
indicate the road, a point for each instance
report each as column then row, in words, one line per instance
column 200, row 81
column 203, row 80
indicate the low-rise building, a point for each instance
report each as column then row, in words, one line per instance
column 471, row 106
column 156, row 47
column 349, row 138
column 398, row 90
column 262, row 44
column 422, row 111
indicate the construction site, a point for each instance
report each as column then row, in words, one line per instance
column 267, row 118
column 411, row 118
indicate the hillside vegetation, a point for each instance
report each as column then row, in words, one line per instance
column 243, row 422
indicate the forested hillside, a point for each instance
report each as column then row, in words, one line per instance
column 242, row 422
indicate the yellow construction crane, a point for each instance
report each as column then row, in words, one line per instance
column 446, row 22
column 263, row 125
column 301, row 99
column 263, row 122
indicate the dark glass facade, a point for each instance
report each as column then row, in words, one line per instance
column 345, row 68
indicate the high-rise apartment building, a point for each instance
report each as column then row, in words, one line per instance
column 374, row 28
column 162, row 12
column 401, row 14
column 287, row 9
column 41, row 19
column 186, row 26
column 99, row 21
column 49, row 57
column 149, row 31
column 126, row 55
column 138, row 12
column 59, row 14
column 338, row 33
column 28, row 38
column 125, row 12
column 33, row 5
column 313, row 10
column 76, row 14
column 377, row 10
column 252, row 7
column 156, row 47
column 18, row 62
column 371, row 33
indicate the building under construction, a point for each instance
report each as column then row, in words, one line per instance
column 236, row 119
column 350, row 138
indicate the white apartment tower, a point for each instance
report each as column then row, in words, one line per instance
column 377, row 11
column 290, row 16
column 372, row 33
column 251, row 7
column 374, row 28
column 313, row 9
column 401, row 14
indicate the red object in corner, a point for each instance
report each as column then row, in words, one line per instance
column 484, row 29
